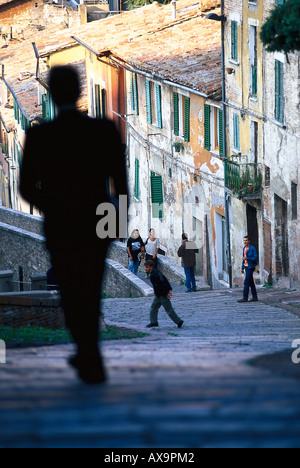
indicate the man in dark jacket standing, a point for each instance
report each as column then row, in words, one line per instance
column 250, row 261
column 67, row 166
column 163, row 295
column 188, row 252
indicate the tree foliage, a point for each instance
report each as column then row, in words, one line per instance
column 281, row 32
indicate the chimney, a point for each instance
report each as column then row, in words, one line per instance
column 174, row 13
column 82, row 9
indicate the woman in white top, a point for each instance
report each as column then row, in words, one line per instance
column 152, row 245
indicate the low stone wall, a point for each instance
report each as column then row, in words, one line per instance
column 118, row 253
column 22, row 220
column 174, row 272
column 31, row 310
column 21, row 247
column 120, row 282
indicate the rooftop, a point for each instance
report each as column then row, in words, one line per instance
column 186, row 51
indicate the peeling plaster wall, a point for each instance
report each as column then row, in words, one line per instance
column 183, row 212
column 282, row 153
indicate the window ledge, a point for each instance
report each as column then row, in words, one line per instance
column 236, row 151
column 234, row 62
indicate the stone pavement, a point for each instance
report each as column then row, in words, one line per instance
column 175, row 388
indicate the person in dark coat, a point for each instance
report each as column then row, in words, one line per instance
column 67, row 166
column 250, row 261
column 187, row 252
column 163, row 295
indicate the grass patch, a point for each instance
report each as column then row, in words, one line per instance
column 37, row 336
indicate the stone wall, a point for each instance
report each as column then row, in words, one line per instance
column 22, row 220
column 19, row 247
column 120, row 282
column 173, row 271
column 31, row 310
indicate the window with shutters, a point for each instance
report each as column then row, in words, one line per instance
column 213, row 129
column 253, row 60
column 100, row 102
column 279, row 91
column 137, row 179
column 154, row 104
column 157, row 197
column 134, row 93
column 236, row 132
column 48, row 106
column 148, row 101
column 294, row 199
column 182, row 106
column 234, row 41
column 158, row 109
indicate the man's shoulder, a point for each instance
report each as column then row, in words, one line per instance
column 156, row 275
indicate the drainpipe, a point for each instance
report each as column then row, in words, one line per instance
column 227, row 220
column 222, row 19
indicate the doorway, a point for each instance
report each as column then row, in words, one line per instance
column 252, row 226
column 281, row 238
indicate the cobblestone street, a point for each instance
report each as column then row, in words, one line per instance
column 175, row 388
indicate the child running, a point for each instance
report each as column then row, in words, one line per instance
column 163, row 295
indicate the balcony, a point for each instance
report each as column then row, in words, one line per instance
column 244, row 179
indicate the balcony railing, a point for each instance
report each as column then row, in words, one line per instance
column 242, row 178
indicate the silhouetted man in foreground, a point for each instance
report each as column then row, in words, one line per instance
column 66, row 170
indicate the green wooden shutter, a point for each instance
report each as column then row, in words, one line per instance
column 137, row 179
column 157, row 196
column 221, row 135
column 236, row 132
column 234, row 40
column 148, row 101
column 16, row 112
column 136, row 95
column 132, row 92
column 207, row 144
column 45, row 106
column 176, row 114
column 100, row 100
column 187, row 105
column 158, row 105
column 279, row 92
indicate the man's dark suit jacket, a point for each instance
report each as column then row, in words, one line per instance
column 65, row 171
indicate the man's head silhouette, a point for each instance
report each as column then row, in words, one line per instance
column 64, row 85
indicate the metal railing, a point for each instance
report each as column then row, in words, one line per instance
column 243, row 178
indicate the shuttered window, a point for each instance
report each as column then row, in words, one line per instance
column 157, row 196
column 221, row 134
column 234, row 40
column 134, row 93
column 236, row 132
column 176, row 114
column 182, row 116
column 100, row 101
column 148, row 101
column 187, row 105
column 213, row 129
column 158, row 106
column 207, row 127
column 137, row 179
column 16, row 112
column 279, row 91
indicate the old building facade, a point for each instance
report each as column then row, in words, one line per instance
column 165, row 93
column 262, row 143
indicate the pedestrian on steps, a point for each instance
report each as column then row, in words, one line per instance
column 163, row 295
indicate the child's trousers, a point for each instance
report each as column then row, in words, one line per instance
column 166, row 303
